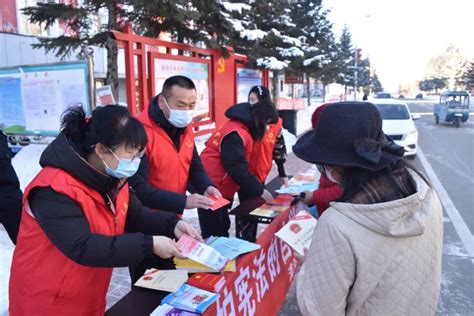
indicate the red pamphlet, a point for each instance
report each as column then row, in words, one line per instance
column 218, row 202
column 282, row 199
column 207, row 281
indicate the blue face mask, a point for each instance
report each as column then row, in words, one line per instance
column 125, row 168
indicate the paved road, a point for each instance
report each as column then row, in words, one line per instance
column 449, row 155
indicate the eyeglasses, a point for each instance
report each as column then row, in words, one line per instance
column 139, row 155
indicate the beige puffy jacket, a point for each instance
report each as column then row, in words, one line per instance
column 379, row 259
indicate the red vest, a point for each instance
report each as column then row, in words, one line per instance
column 211, row 156
column 43, row 280
column 261, row 159
column 168, row 168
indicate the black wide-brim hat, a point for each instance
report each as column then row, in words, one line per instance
column 349, row 134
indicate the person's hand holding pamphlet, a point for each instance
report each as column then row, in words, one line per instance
column 202, row 253
column 300, row 183
column 163, row 280
column 193, row 266
column 217, row 202
column 298, row 232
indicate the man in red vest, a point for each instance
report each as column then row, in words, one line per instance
column 171, row 160
column 171, row 163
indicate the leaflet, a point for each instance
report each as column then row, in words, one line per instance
column 298, row 232
column 232, row 247
column 297, row 189
column 202, row 253
column 168, row 310
column 191, row 299
column 163, row 280
column 217, row 203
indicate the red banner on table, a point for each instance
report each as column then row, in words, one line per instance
column 262, row 279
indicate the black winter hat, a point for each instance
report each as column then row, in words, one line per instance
column 349, row 134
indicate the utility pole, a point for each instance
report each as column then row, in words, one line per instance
column 355, row 73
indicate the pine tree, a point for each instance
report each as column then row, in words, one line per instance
column 363, row 73
column 469, row 77
column 345, row 58
column 84, row 31
column 313, row 25
column 264, row 36
column 375, row 84
column 187, row 21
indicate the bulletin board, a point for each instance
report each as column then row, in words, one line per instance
column 246, row 79
column 198, row 72
column 33, row 98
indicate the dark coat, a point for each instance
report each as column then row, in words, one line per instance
column 66, row 226
column 161, row 199
column 10, row 193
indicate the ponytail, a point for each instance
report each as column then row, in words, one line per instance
column 73, row 123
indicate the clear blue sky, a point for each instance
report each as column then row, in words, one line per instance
column 400, row 36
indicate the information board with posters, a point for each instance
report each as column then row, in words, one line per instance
column 197, row 72
column 246, row 79
column 33, row 98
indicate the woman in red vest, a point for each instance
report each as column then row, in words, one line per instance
column 270, row 148
column 328, row 190
column 272, row 145
column 226, row 160
column 75, row 212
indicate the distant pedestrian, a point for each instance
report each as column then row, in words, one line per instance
column 10, row 193
column 365, row 97
column 376, row 250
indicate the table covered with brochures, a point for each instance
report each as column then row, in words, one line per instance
column 257, row 284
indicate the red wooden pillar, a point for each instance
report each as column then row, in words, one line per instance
column 224, row 85
column 130, row 71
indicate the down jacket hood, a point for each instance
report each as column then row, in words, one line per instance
column 399, row 218
column 241, row 112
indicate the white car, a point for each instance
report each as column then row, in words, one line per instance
column 398, row 124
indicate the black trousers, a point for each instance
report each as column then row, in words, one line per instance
column 246, row 227
column 156, row 262
column 214, row 223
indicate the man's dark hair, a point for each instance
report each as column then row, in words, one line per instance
column 180, row 81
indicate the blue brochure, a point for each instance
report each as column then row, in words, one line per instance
column 231, row 247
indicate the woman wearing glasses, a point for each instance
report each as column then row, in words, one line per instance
column 75, row 214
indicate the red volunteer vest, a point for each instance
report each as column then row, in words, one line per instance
column 168, row 168
column 43, row 280
column 211, row 157
column 261, row 159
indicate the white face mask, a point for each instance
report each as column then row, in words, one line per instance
column 328, row 171
column 179, row 118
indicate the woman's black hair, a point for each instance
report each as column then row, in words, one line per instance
column 263, row 112
column 111, row 125
column 353, row 179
